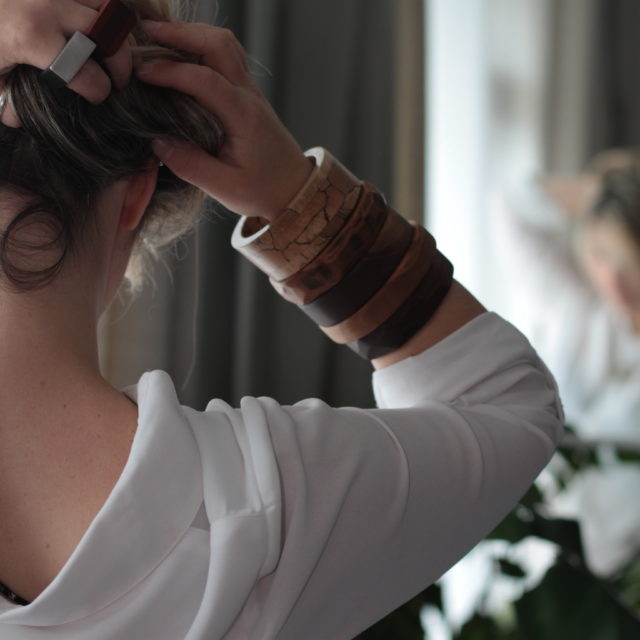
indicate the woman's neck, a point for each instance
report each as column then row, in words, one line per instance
column 48, row 351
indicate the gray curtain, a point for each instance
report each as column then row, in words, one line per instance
column 617, row 93
column 213, row 321
column 594, row 93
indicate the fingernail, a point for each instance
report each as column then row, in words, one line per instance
column 144, row 67
column 150, row 25
column 163, row 148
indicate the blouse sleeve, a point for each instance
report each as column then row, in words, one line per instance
column 377, row 504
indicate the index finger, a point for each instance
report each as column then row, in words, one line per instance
column 216, row 47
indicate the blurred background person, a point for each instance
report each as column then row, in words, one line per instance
column 571, row 253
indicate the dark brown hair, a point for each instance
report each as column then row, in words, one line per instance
column 68, row 151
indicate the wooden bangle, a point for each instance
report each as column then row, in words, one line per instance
column 368, row 275
column 343, row 252
column 411, row 316
column 395, row 291
column 307, row 225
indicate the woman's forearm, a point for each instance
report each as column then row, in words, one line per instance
column 458, row 308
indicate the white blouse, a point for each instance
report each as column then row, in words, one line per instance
column 304, row 521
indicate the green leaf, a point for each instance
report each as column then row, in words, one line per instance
column 579, row 457
column 517, row 524
column 432, row 595
column 565, row 533
column 478, row 628
column 532, row 498
column 404, row 623
column 571, row 603
column 510, row 568
column 628, row 584
column 628, row 456
column 512, row 529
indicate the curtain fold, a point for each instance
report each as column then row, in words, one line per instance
column 594, row 97
column 617, row 91
column 213, row 321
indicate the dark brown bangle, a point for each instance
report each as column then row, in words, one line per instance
column 344, row 252
column 367, row 276
column 414, row 265
column 314, row 217
column 411, row 316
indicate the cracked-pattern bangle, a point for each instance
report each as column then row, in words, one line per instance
column 343, row 252
column 369, row 275
column 314, row 217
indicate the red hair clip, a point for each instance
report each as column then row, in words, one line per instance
column 104, row 37
column 111, row 27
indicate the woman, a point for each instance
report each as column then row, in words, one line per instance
column 574, row 242
column 126, row 515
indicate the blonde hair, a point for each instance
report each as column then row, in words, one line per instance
column 68, row 151
column 618, row 197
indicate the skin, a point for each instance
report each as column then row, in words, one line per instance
column 65, row 433
column 608, row 254
column 611, row 260
column 35, row 31
column 245, row 177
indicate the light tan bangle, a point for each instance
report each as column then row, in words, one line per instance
column 393, row 293
column 307, row 225
column 341, row 254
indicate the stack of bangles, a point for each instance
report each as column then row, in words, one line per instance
column 369, row 278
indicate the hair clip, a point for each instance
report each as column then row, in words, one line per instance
column 111, row 27
column 102, row 39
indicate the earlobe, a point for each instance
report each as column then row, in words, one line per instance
column 139, row 192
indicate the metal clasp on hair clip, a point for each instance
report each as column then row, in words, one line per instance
column 3, row 101
column 104, row 37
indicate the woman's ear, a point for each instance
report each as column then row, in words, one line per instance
column 138, row 194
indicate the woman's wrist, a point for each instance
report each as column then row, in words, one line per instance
column 368, row 277
column 294, row 178
column 306, row 225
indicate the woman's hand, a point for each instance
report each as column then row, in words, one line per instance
column 35, row 31
column 260, row 167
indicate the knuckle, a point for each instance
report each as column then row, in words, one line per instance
column 200, row 76
column 184, row 164
column 35, row 18
column 207, row 74
column 28, row 31
column 222, row 37
column 252, row 117
column 203, row 39
column 92, row 83
column 230, row 41
column 228, row 35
